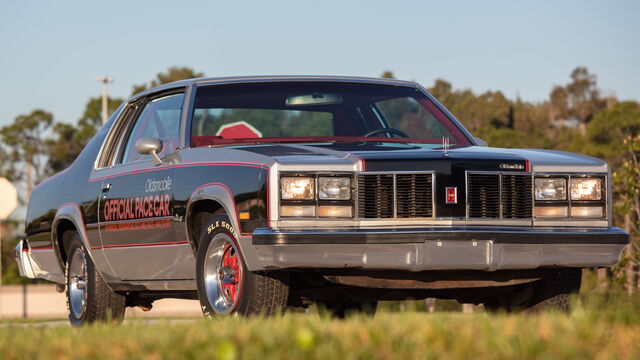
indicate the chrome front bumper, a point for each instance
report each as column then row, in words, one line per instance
column 486, row 249
column 26, row 265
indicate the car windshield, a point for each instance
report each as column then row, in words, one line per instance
column 318, row 112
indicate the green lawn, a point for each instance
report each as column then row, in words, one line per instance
column 598, row 328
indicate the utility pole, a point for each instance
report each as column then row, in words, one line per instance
column 105, row 80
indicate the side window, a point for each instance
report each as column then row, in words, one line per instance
column 160, row 118
column 110, row 145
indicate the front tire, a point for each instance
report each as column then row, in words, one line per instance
column 225, row 285
column 89, row 298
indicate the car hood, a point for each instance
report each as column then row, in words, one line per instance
column 377, row 156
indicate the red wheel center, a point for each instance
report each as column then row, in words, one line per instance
column 230, row 274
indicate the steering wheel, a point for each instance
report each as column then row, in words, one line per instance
column 387, row 131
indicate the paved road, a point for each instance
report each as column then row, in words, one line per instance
column 43, row 302
column 56, row 323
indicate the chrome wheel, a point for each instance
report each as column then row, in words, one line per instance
column 77, row 274
column 223, row 274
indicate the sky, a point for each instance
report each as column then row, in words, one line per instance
column 52, row 51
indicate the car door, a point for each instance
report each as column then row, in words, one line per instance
column 136, row 205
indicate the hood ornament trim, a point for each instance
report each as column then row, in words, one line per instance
column 445, row 146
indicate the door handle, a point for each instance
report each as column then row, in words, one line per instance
column 106, row 187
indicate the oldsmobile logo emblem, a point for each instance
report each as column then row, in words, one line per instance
column 512, row 166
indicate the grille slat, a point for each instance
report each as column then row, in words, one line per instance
column 414, row 196
column 507, row 196
column 375, row 196
column 484, row 195
column 517, row 198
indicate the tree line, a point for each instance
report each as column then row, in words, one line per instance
column 35, row 146
column 577, row 116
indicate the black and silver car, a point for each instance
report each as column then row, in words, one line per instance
column 256, row 193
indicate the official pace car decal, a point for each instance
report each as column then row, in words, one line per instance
column 154, row 204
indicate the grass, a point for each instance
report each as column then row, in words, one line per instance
column 599, row 327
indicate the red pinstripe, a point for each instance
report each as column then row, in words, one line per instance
column 218, row 163
column 141, row 245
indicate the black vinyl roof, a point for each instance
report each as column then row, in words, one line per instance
column 278, row 78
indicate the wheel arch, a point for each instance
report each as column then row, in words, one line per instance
column 208, row 199
column 68, row 218
column 60, row 240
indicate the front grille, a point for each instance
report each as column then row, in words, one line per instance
column 413, row 195
column 507, row 196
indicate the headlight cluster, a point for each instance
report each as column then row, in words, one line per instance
column 315, row 196
column 569, row 196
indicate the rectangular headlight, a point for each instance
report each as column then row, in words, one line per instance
column 551, row 189
column 334, row 188
column 297, row 188
column 586, row 189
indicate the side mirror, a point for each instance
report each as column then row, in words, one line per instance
column 481, row 142
column 150, row 146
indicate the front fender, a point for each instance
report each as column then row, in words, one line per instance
column 222, row 195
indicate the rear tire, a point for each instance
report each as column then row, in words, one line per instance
column 89, row 298
column 553, row 292
column 225, row 285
